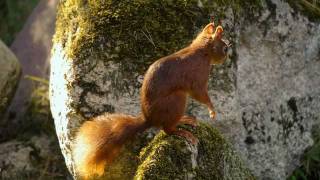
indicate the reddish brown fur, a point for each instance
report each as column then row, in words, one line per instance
column 169, row 80
column 166, row 85
column 100, row 140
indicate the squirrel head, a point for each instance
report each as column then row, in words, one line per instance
column 216, row 46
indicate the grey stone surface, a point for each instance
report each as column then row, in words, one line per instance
column 275, row 102
column 267, row 95
column 9, row 77
column 18, row 158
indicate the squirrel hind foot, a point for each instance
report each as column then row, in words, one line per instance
column 183, row 133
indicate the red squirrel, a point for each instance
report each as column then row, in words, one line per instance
column 165, row 88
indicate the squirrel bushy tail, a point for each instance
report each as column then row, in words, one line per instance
column 99, row 141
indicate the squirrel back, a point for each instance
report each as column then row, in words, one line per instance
column 99, row 141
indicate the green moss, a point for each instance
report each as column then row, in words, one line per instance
column 134, row 33
column 165, row 158
column 169, row 157
column 125, row 165
column 131, row 35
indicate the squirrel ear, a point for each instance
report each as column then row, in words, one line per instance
column 218, row 33
column 209, row 29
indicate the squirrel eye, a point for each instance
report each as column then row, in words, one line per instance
column 225, row 49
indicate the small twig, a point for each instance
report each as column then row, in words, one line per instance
column 311, row 6
column 149, row 37
column 38, row 79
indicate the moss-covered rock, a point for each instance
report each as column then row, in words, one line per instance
column 134, row 33
column 102, row 48
column 172, row 157
column 124, row 167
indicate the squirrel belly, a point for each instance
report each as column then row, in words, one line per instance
column 99, row 141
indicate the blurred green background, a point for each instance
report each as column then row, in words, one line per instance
column 13, row 14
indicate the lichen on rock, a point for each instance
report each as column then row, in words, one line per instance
column 277, row 81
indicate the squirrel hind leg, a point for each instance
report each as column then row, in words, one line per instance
column 182, row 133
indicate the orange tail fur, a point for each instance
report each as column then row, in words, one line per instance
column 99, row 141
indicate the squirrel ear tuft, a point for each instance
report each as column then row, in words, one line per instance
column 218, row 33
column 209, row 29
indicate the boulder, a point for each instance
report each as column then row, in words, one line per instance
column 101, row 50
column 274, row 104
column 10, row 71
column 172, row 157
column 265, row 94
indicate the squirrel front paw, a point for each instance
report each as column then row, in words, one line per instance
column 212, row 114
